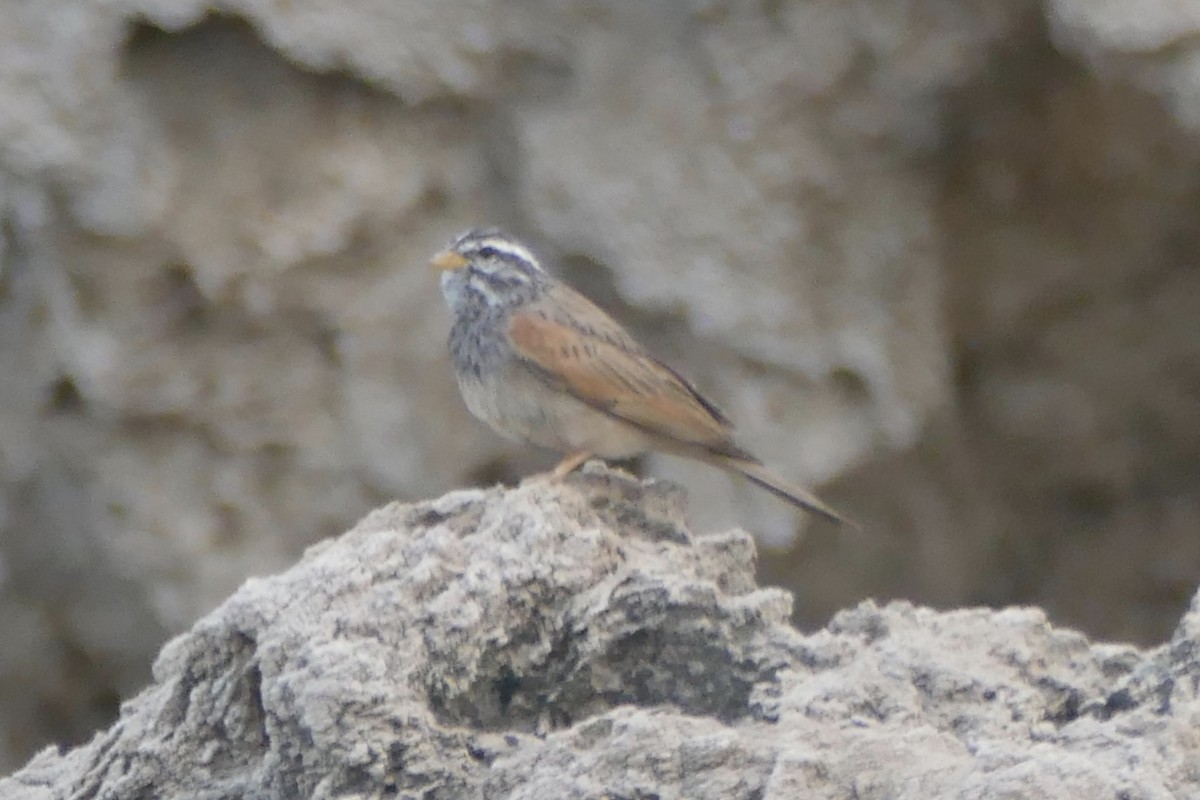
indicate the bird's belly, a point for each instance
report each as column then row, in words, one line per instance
column 529, row 411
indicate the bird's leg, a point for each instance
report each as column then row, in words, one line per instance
column 564, row 468
column 569, row 464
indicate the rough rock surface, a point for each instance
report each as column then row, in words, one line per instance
column 578, row 641
column 939, row 256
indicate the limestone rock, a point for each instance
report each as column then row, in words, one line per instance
column 579, row 641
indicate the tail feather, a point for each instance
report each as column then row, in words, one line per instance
column 759, row 475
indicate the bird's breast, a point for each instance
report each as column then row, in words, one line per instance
column 478, row 347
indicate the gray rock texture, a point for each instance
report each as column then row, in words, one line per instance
column 577, row 640
column 938, row 257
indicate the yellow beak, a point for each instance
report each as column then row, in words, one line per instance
column 448, row 259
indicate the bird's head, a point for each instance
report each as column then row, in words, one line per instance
column 484, row 267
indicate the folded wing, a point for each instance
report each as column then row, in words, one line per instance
column 575, row 347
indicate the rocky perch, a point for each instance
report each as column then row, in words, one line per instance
column 577, row 641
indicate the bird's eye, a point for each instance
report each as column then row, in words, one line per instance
column 488, row 252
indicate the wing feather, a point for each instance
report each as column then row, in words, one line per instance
column 573, row 345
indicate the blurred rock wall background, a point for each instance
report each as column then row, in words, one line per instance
column 938, row 258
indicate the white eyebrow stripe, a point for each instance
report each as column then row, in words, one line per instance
column 507, row 247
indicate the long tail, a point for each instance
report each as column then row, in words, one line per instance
column 796, row 495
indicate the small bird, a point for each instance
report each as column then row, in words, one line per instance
column 541, row 364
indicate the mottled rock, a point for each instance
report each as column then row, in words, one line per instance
column 577, row 640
